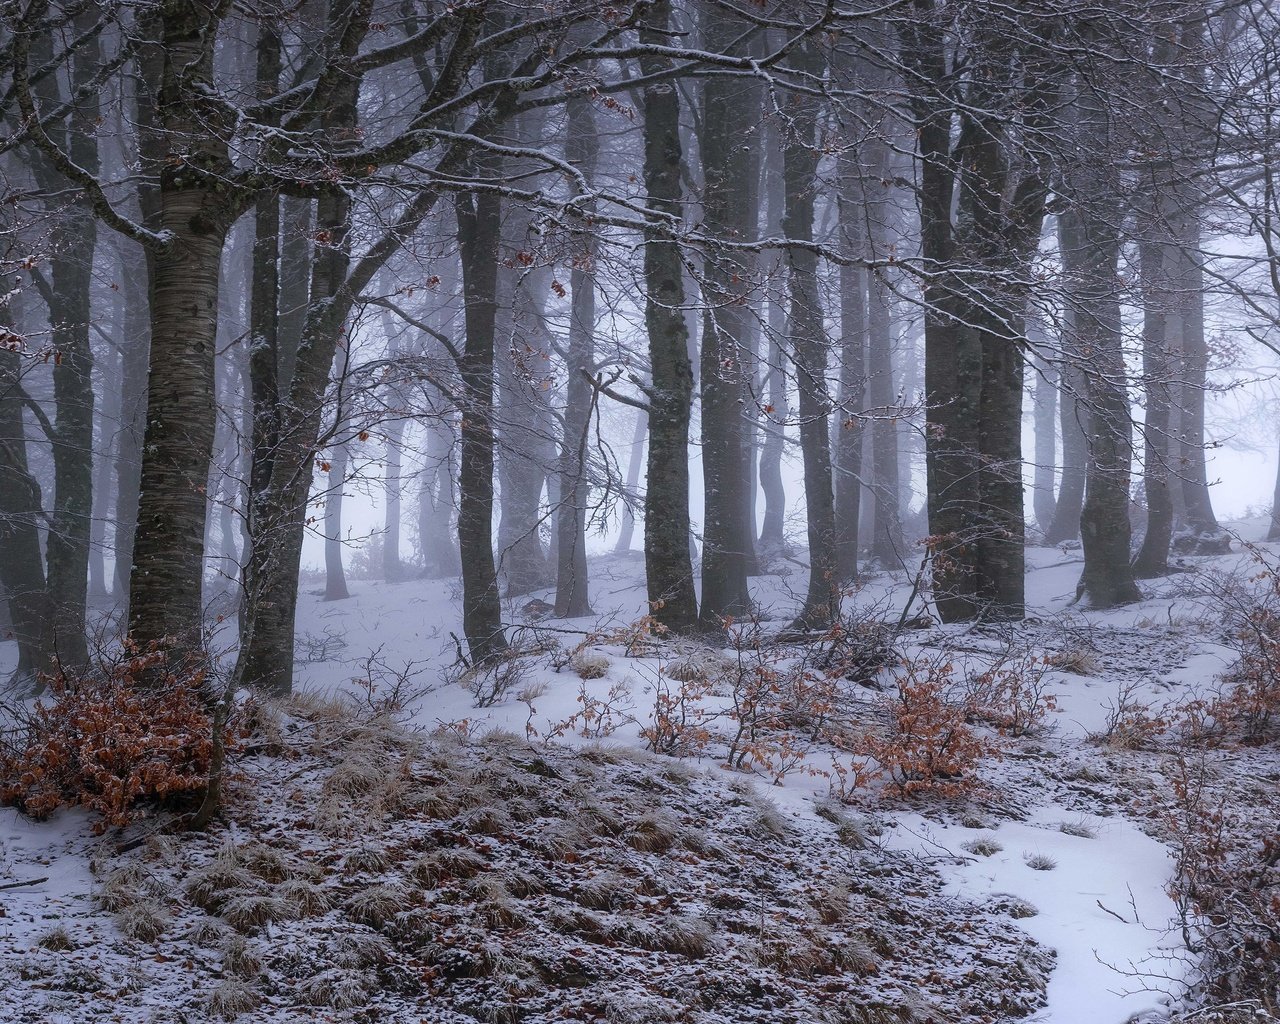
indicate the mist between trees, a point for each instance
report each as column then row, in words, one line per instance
column 505, row 263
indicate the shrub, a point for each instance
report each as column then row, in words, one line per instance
column 1014, row 696
column 1226, row 871
column 928, row 744
column 678, row 725
column 107, row 742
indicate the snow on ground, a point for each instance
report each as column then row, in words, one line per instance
column 1056, row 846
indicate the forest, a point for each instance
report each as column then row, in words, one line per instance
column 711, row 511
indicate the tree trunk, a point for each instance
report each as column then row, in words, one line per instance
column 105, row 448
column 525, row 443
column 436, row 501
column 164, row 587
column 136, row 345
column 573, row 597
column 479, row 220
column 1046, row 433
column 335, row 580
column 730, row 110
column 810, row 353
column 1090, row 241
column 953, row 353
column 1188, row 284
column 634, row 461
column 773, row 529
column 1153, row 558
column 668, row 567
column 1273, row 533
column 853, row 376
column 71, row 277
column 886, row 539
column 22, row 576
column 1073, row 415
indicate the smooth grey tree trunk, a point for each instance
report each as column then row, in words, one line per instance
column 1045, row 418
column 886, row 537
column 848, row 421
column 668, row 567
column 1153, row 557
column 775, row 413
column 731, row 110
column 1091, row 242
column 479, row 220
column 573, row 597
column 810, row 354
column 635, row 459
column 22, row 574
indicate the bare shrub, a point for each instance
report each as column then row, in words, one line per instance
column 928, row 744
column 1226, row 873
column 1013, row 695
column 491, row 680
column 678, row 725
column 109, row 743
column 1131, row 723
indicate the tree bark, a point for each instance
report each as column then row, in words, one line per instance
column 335, row 580
column 71, row 277
column 634, row 461
column 775, row 413
column 1091, row 243
column 886, row 539
column 810, row 353
column 668, row 567
column 730, row 111
column 165, row 597
column 22, row 575
column 1046, row 443
column 1153, row 557
column 573, row 598
column 479, row 220
column 853, row 376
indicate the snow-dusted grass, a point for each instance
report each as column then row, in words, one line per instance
column 527, row 857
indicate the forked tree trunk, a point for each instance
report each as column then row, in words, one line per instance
column 635, row 460
column 668, row 567
column 71, row 279
column 1091, row 242
column 953, row 354
column 437, row 500
column 335, row 579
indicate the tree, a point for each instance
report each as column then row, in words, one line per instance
column 731, row 109
column 573, row 599
column 807, row 344
column 668, row 567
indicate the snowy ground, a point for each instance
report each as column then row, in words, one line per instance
column 1057, row 848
